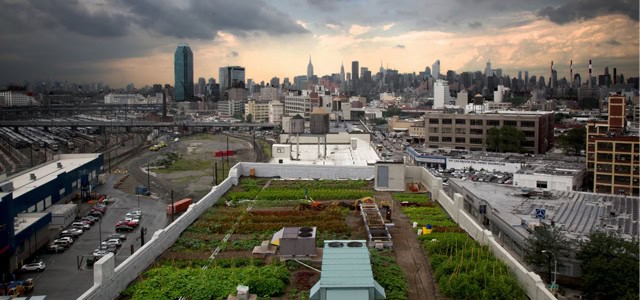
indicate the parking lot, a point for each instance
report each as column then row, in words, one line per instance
column 67, row 275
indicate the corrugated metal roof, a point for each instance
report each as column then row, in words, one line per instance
column 346, row 270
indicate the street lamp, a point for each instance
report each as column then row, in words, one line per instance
column 555, row 268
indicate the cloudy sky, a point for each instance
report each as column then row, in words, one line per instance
column 122, row 41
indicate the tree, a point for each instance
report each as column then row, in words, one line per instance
column 609, row 267
column 238, row 116
column 392, row 111
column 249, row 118
column 505, row 139
column 573, row 141
column 546, row 238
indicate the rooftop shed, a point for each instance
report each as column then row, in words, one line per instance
column 346, row 273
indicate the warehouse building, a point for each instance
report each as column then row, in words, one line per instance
column 26, row 201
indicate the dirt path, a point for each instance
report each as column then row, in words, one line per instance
column 409, row 255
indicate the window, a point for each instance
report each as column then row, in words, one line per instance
column 476, row 122
column 446, row 130
column 476, row 131
column 461, row 121
column 527, row 124
column 493, row 122
column 433, row 146
column 529, row 134
column 433, row 139
column 434, row 121
column 446, row 139
column 446, row 121
column 433, row 129
column 541, row 184
column 461, row 131
column 475, row 141
column 460, row 140
column 528, row 144
column 280, row 150
column 475, row 149
column 510, row 123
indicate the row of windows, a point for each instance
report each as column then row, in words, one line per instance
column 474, row 131
column 476, row 122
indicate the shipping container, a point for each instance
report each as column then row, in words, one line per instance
column 179, row 206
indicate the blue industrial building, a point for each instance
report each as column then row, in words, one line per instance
column 24, row 197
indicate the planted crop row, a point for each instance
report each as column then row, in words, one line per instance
column 412, row 198
column 466, row 270
column 389, row 275
column 236, row 262
column 434, row 216
column 167, row 282
column 321, row 184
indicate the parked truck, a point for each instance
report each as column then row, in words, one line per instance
column 179, row 206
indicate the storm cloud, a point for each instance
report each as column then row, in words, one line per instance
column 577, row 10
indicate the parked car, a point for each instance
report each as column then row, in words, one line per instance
column 131, row 223
column 123, row 227
column 121, row 237
column 80, row 225
column 55, row 248
column 37, row 266
column 89, row 221
column 66, row 238
column 100, row 253
column 72, row 232
column 108, row 248
column 94, row 218
column 96, row 213
column 62, row 243
column 115, row 242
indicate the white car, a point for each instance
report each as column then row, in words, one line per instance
column 112, row 242
column 100, row 253
column 80, row 225
column 66, row 238
column 37, row 266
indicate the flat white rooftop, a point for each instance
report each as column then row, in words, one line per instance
column 25, row 220
column 336, row 154
column 22, row 182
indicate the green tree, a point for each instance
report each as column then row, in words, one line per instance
column 546, row 238
column 573, row 141
column 392, row 111
column 249, row 118
column 238, row 116
column 505, row 139
column 609, row 267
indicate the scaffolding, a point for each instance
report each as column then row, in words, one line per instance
column 378, row 234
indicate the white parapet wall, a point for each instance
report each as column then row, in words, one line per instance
column 109, row 280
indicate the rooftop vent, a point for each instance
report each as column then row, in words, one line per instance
column 336, row 245
column 354, row 244
column 32, row 176
column 59, row 165
column 303, row 234
column 306, row 229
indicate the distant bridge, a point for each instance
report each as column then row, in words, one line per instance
column 129, row 124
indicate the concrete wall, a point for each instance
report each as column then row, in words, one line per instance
column 480, row 164
column 109, row 281
column 530, row 281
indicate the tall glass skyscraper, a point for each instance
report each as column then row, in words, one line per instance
column 183, row 67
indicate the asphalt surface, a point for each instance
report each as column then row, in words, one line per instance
column 65, row 276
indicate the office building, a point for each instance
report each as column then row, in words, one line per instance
column 297, row 102
column 435, row 70
column 355, row 77
column 183, row 70
column 613, row 156
column 440, row 94
column 310, row 68
column 342, row 75
column 16, row 98
column 469, row 131
column 259, row 110
column 276, row 110
column 230, row 77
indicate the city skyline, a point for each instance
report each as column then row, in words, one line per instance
column 120, row 43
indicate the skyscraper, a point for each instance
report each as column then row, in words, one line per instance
column 309, row 68
column 355, row 77
column 342, row 78
column 435, row 70
column 440, row 94
column 183, row 71
column 487, row 69
column 232, row 76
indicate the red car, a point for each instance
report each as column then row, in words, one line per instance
column 128, row 223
